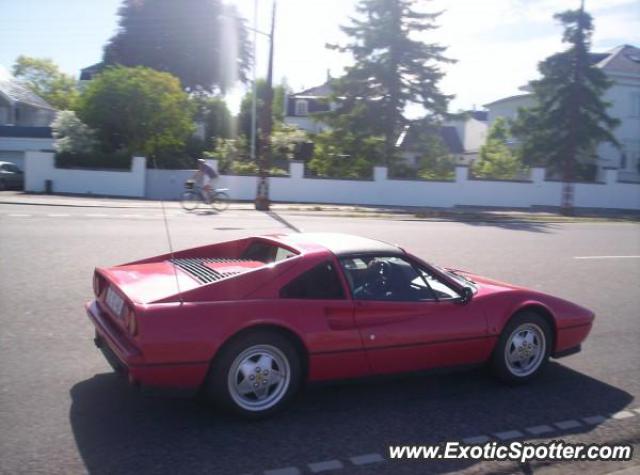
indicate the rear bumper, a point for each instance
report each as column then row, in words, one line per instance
column 129, row 361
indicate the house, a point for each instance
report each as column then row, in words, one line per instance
column 463, row 136
column 622, row 66
column 25, row 120
column 300, row 107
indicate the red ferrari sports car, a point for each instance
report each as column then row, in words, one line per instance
column 249, row 321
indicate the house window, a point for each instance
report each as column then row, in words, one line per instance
column 302, row 107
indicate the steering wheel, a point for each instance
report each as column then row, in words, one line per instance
column 378, row 279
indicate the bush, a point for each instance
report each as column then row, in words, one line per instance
column 71, row 135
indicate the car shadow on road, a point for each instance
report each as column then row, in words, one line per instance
column 120, row 430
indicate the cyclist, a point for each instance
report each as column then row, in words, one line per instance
column 204, row 176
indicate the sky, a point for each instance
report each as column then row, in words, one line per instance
column 497, row 43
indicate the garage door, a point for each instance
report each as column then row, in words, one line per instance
column 16, row 157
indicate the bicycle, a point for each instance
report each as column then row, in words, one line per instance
column 194, row 195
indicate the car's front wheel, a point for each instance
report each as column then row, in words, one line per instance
column 256, row 374
column 523, row 348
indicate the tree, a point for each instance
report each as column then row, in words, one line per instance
column 244, row 117
column 137, row 109
column 213, row 112
column 202, row 42
column 72, row 135
column 497, row 160
column 342, row 153
column 393, row 69
column 569, row 120
column 44, row 77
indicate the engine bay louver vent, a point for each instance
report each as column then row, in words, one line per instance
column 197, row 267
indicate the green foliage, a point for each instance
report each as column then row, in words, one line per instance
column 284, row 140
column 202, row 42
column 213, row 112
column 137, row 109
column 277, row 110
column 44, row 77
column 71, row 135
column 570, row 117
column 344, row 154
column 392, row 70
column 497, row 160
column 436, row 163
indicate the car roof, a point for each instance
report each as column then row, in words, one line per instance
column 338, row 243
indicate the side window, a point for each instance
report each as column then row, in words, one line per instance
column 439, row 288
column 302, row 107
column 386, row 278
column 321, row 283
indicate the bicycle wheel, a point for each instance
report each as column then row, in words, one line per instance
column 190, row 200
column 220, row 201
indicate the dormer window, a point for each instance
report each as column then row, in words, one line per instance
column 302, row 107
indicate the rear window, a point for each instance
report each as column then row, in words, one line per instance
column 266, row 252
column 321, row 283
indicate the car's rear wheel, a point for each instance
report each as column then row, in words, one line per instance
column 523, row 348
column 256, row 374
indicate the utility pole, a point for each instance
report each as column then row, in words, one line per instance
column 266, row 121
column 254, row 98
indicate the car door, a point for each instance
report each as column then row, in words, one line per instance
column 332, row 337
column 409, row 319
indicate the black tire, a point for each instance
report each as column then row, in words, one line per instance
column 519, row 372
column 225, row 375
column 190, row 200
column 220, row 201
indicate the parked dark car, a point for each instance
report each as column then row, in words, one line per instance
column 11, row 177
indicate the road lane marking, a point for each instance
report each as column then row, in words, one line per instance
column 19, row 215
column 622, row 415
column 508, row 434
column 366, row 459
column 566, row 425
column 606, row 257
column 479, row 439
column 594, row 420
column 283, row 471
column 318, row 467
column 539, row 430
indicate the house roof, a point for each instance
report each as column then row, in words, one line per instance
column 323, row 90
column 482, row 116
column 86, row 74
column 16, row 92
column 410, row 139
column 622, row 59
column 508, row 98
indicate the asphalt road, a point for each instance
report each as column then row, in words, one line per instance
column 62, row 410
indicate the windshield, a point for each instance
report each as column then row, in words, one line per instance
column 10, row 167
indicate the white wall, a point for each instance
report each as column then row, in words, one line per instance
column 40, row 166
column 168, row 184
column 12, row 149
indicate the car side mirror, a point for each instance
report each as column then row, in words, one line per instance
column 467, row 295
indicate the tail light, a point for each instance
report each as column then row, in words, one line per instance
column 130, row 322
column 97, row 284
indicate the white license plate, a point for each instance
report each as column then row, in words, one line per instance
column 114, row 302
